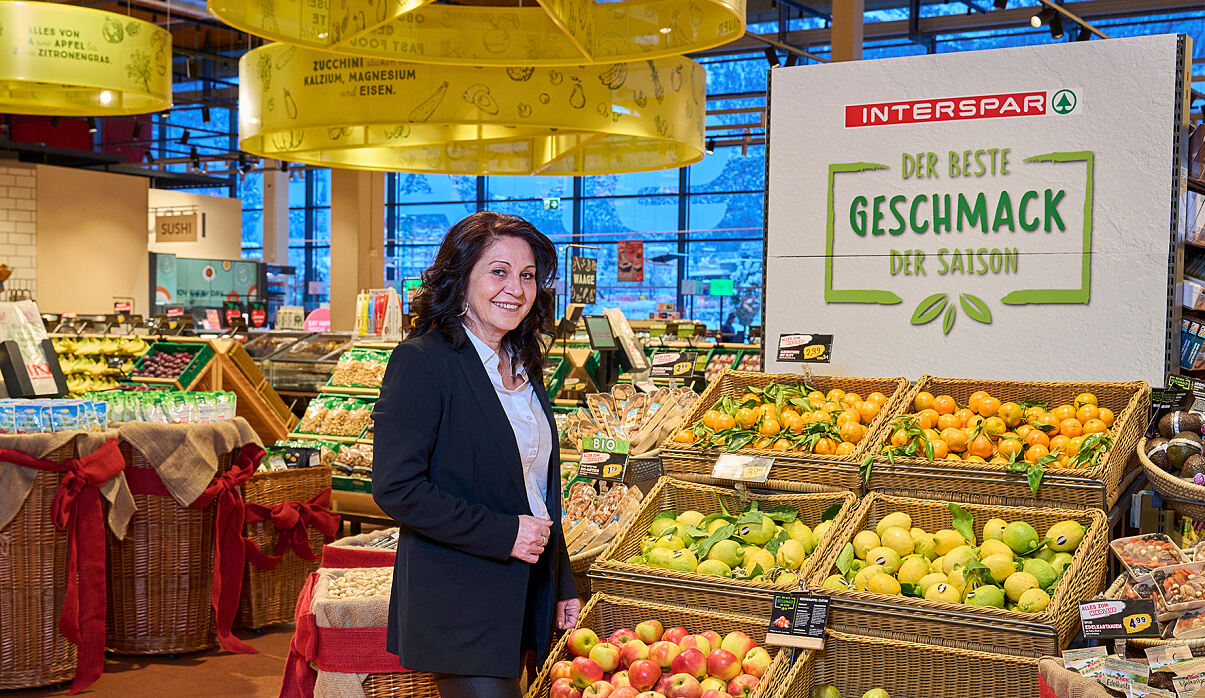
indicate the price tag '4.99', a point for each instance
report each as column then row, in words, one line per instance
column 603, row 458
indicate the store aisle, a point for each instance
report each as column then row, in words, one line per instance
column 213, row 674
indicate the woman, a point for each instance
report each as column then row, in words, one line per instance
column 466, row 460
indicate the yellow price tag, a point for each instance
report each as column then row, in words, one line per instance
column 1137, row 622
column 683, row 367
column 612, row 470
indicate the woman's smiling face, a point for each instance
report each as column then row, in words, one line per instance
column 501, row 289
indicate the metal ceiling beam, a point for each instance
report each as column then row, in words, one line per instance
column 953, row 24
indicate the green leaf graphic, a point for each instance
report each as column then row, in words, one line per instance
column 929, row 309
column 975, row 308
column 947, row 323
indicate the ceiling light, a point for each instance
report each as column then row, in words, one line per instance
column 1041, row 18
column 184, row 138
column 1084, row 34
column 205, row 113
column 1056, row 27
column 92, row 128
column 666, row 30
column 710, row 146
column 106, row 97
column 792, row 59
column 194, row 157
column 772, row 57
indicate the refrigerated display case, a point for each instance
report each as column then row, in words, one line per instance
column 306, row 364
column 264, row 344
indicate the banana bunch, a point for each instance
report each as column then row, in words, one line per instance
column 107, row 346
column 132, row 346
column 78, row 384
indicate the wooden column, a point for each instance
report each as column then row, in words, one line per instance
column 847, row 29
column 276, row 214
column 357, row 241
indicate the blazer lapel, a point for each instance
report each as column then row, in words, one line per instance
column 495, row 418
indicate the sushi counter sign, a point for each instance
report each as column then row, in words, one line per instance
column 963, row 202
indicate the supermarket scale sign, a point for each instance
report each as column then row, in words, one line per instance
column 997, row 214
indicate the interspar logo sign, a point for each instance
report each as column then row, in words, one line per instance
column 947, row 109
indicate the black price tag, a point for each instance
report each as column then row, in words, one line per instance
column 674, row 364
column 798, row 620
column 603, row 458
column 805, row 348
column 584, row 280
column 1113, row 620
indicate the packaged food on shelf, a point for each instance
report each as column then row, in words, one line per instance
column 641, row 418
column 361, row 368
column 593, row 518
column 336, row 416
column 718, row 362
column 1181, row 586
column 750, row 361
column 327, row 450
column 1190, row 626
column 354, row 460
column 1144, row 553
column 52, row 415
column 167, row 406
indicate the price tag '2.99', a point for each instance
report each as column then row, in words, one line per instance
column 742, row 468
column 603, row 458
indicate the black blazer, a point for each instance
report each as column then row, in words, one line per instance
column 446, row 466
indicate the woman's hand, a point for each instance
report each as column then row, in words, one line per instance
column 531, row 539
column 566, row 613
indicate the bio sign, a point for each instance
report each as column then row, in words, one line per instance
column 957, row 204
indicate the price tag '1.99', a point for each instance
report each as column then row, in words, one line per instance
column 603, row 458
column 742, row 468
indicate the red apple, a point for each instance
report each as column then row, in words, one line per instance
column 683, row 686
column 651, row 694
column 743, row 686
column 598, row 689
column 738, row 643
column 607, row 656
column 620, row 679
column 713, row 638
column 690, row 661
column 581, row 641
column 697, row 642
column 722, row 664
column 561, row 670
column 625, row 692
column 756, row 662
column 585, row 671
column 632, row 651
column 643, row 674
column 712, row 683
column 563, row 688
column 649, row 631
column 620, row 637
column 662, row 686
column 674, row 634
column 664, row 653
column 709, row 693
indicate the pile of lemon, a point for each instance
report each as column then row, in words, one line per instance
column 1012, row 568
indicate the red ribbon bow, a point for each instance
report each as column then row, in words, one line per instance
column 229, row 556
column 292, row 519
column 77, row 510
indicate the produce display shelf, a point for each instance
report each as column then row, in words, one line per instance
column 329, row 437
column 344, row 390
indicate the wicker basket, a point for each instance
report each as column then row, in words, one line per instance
column 606, row 614
column 1113, row 593
column 971, row 627
column 580, row 566
column 1098, row 487
column 1180, row 495
column 791, row 471
column 610, row 574
column 858, row 663
column 160, row 577
column 401, row 684
column 33, row 588
column 270, row 596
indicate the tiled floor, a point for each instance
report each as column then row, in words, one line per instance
column 212, row 674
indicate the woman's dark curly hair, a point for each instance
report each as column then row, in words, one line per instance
column 441, row 300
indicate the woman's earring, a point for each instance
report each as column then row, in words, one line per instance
column 465, row 311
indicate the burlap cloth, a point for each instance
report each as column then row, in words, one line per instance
column 16, row 482
column 1067, row 683
column 186, row 455
column 360, row 612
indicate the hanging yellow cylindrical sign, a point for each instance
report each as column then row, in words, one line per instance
column 545, row 33
column 332, row 110
column 74, row 61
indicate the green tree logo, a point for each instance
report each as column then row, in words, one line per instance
column 1063, row 102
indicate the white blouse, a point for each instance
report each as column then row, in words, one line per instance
column 532, row 433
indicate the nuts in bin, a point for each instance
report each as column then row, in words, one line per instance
column 1142, row 554
column 369, row 581
column 1182, row 586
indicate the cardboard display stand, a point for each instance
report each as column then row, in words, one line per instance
column 940, row 214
